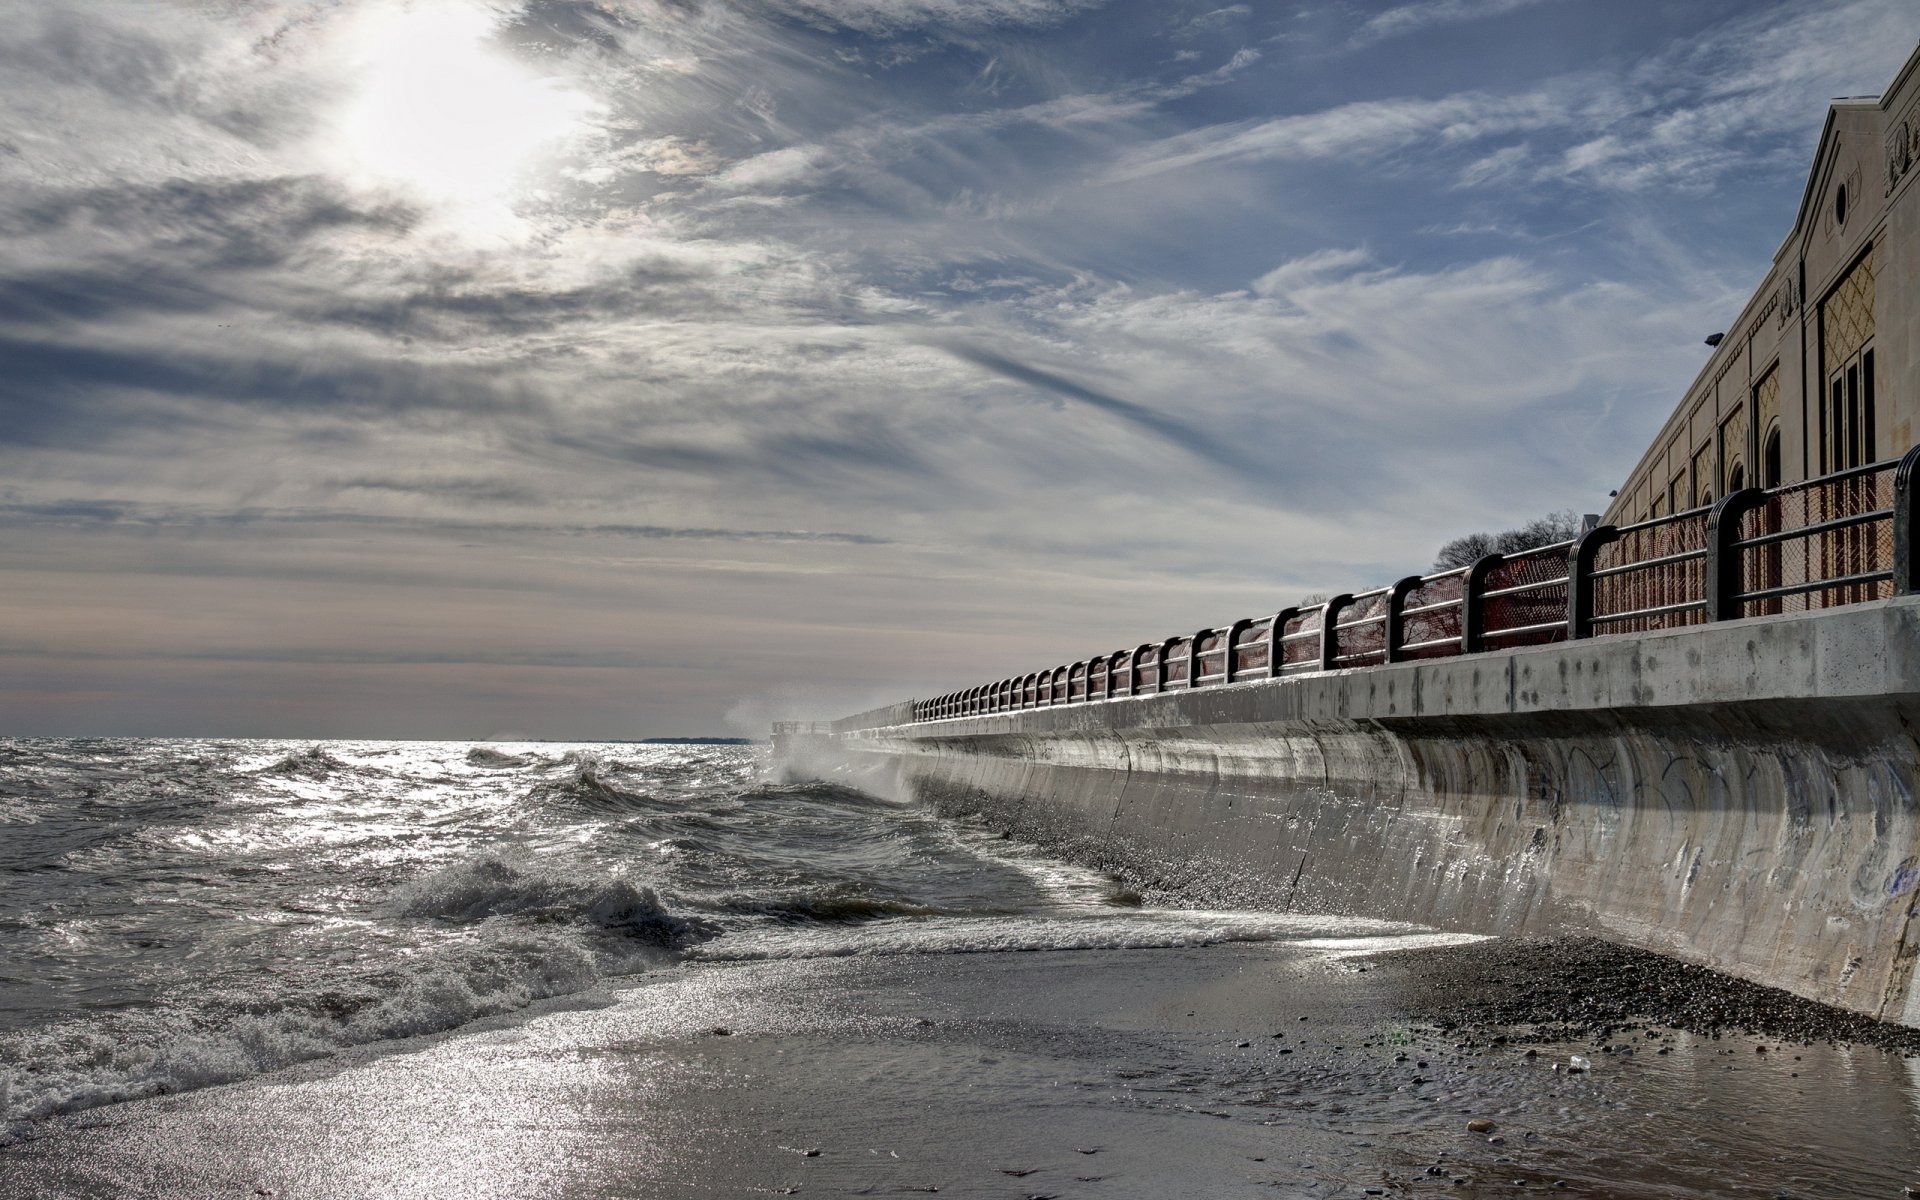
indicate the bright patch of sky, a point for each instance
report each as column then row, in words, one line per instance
column 582, row 369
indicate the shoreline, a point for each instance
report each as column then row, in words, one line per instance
column 1243, row 1069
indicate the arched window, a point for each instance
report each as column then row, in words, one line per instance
column 1770, row 459
column 1736, row 478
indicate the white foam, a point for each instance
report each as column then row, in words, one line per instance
column 1137, row 930
column 500, row 969
column 514, row 933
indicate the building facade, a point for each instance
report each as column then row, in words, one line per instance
column 1821, row 371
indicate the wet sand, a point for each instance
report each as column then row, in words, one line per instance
column 1236, row 1070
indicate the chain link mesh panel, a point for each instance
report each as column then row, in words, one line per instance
column 1657, row 585
column 1365, row 644
column 1510, row 620
column 1441, row 626
column 1820, row 556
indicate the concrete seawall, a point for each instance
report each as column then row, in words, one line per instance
column 1739, row 795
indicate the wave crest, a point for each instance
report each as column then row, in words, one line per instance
column 587, row 786
column 312, row 763
column 487, row 756
column 499, row 885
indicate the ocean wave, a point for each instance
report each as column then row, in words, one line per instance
column 313, row 763
column 504, row 969
column 486, row 756
column 503, row 885
column 587, row 786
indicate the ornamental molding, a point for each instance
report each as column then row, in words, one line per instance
column 1903, row 146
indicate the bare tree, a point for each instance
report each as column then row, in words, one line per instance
column 1541, row 531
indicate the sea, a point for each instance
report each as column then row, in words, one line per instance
column 177, row 914
column 549, row 970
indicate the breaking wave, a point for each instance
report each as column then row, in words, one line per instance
column 498, row 885
column 519, row 933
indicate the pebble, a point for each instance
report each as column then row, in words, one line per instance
column 1479, row 1125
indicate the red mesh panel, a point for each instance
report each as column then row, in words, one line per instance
column 1149, row 671
column 1365, row 644
column 1213, row 656
column 1442, row 625
column 1301, row 651
column 1177, row 662
column 1544, row 573
column 1654, row 586
column 1830, row 554
column 1250, row 652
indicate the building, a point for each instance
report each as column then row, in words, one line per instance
column 1821, row 371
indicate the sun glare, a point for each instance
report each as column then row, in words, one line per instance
column 440, row 110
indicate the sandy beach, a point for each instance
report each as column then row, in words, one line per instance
column 1225, row 1071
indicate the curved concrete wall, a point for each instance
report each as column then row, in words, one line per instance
column 1739, row 795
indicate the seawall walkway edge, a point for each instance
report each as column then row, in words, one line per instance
column 1739, row 795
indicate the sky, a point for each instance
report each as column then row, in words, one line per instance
column 552, row 368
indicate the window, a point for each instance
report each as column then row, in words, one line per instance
column 1847, row 358
column 1847, row 424
column 1766, row 415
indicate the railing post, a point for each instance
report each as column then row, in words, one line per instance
column 1473, row 610
column 1906, row 525
column 1160, row 667
column 1276, row 649
column 1193, row 659
column 1724, row 560
column 1329, row 629
column 1580, row 578
column 1233, row 640
column 1396, row 622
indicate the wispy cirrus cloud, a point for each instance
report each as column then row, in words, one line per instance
column 1404, row 19
column 806, row 309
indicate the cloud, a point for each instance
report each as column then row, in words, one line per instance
column 782, row 352
column 1168, row 429
column 1363, row 129
column 1426, row 14
column 884, row 17
column 79, row 513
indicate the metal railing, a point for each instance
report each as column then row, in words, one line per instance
column 1840, row 539
column 802, row 728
